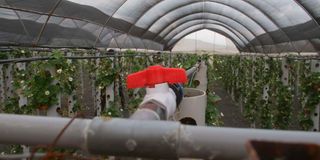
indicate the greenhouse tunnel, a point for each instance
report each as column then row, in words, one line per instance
column 254, row 26
column 110, row 78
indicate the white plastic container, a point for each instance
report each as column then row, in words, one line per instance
column 193, row 107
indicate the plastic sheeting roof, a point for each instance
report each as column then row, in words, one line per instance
column 267, row 26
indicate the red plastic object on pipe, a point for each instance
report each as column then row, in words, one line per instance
column 156, row 75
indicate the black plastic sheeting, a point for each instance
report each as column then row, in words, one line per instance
column 271, row 26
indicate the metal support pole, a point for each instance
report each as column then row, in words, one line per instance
column 285, row 72
column 2, row 89
column 315, row 67
column 8, row 81
column 170, row 59
column 53, row 110
column 71, row 100
column 253, row 72
column 97, row 96
column 146, row 139
column 23, row 101
column 109, row 95
column 266, row 87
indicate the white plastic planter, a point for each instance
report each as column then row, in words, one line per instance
column 202, row 77
column 193, row 107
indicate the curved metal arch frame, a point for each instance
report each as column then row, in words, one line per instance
column 207, row 13
column 201, row 28
column 258, row 24
column 249, row 16
column 213, row 23
column 310, row 13
column 186, row 24
column 235, row 32
column 253, row 20
column 106, row 23
column 48, row 14
column 133, row 24
column 307, row 11
column 225, row 34
column 219, row 15
column 72, row 18
column 267, row 16
column 271, row 18
column 35, row 43
column 200, row 12
column 218, row 25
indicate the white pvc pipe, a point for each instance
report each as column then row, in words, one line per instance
column 147, row 139
column 193, row 106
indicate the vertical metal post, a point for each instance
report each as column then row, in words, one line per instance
column 23, row 101
column 285, row 71
column 52, row 111
column 97, row 92
column 315, row 67
column 266, row 86
column 170, row 58
column 241, row 94
column 8, row 81
column 109, row 95
column 297, row 83
column 236, row 72
column 2, row 97
column 71, row 101
column 110, row 89
column 254, row 59
column 232, row 87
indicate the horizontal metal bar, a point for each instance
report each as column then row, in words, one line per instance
column 19, row 60
column 21, row 156
column 147, row 139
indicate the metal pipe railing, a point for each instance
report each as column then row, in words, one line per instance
column 147, row 139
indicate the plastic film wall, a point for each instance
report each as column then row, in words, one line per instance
column 271, row 26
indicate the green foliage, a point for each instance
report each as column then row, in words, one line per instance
column 3, row 55
column 112, row 111
column 105, row 74
column 246, row 78
column 185, row 61
column 310, row 86
column 213, row 117
column 13, row 149
column 11, row 105
column 42, row 81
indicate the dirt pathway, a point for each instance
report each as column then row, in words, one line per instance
column 231, row 111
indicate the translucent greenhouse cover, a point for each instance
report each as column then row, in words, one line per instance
column 266, row 26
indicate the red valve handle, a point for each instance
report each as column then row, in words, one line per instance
column 156, row 75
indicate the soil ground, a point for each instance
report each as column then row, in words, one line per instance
column 231, row 111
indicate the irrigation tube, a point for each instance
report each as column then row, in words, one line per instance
column 190, row 72
column 136, row 138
